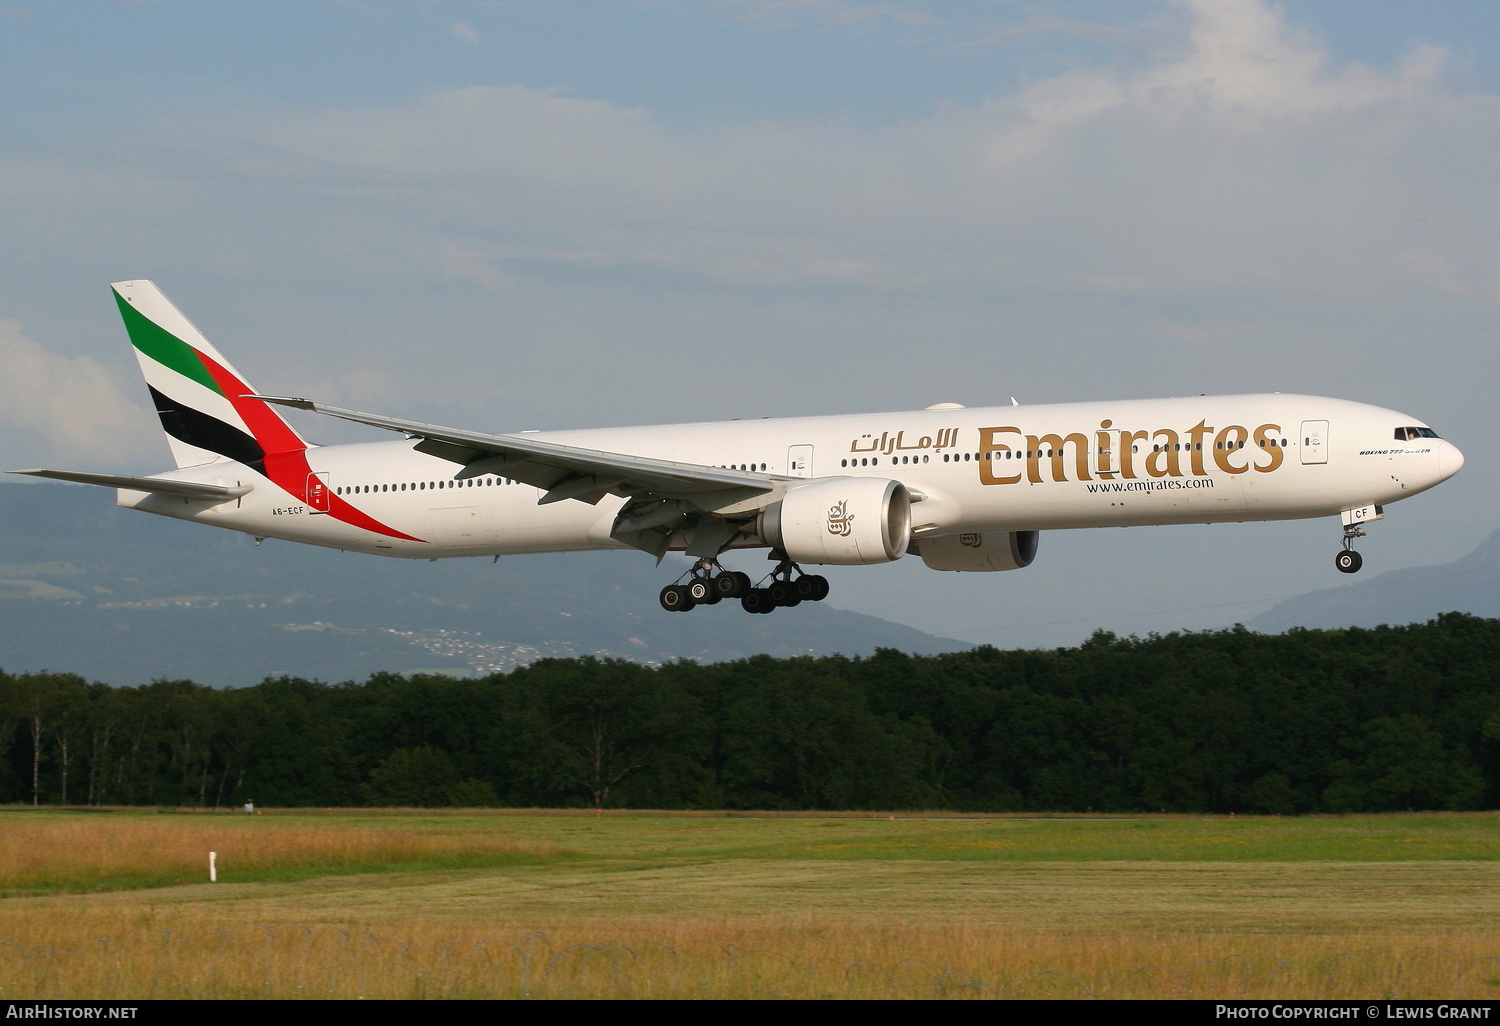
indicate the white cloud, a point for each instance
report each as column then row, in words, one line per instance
column 68, row 408
column 464, row 31
column 1243, row 59
column 1242, row 162
column 1245, row 160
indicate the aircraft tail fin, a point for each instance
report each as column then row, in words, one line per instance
column 197, row 393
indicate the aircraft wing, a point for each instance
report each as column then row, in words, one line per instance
column 668, row 496
column 192, row 489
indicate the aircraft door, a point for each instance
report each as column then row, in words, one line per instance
column 1315, row 441
column 1104, row 455
column 317, row 493
column 799, row 461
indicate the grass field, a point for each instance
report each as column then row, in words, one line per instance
column 361, row 903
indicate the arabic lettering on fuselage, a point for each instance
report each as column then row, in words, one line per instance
column 888, row 443
column 1112, row 452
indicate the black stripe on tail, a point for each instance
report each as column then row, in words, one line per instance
column 199, row 429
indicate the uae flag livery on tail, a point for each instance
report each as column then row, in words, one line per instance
column 198, row 395
column 203, row 405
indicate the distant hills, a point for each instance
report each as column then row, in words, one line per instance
column 1414, row 595
column 124, row 597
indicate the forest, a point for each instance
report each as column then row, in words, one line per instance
column 1355, row 720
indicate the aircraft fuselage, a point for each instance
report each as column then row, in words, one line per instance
column 1205, row 459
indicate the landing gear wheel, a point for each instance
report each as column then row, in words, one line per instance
column 757, row 600
column 702, row 592
column 812, row 587
column 1348, row 562
column 675, row 599
column 732, row 584
column 784, row 593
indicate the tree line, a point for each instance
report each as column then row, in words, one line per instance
column 1230, row 721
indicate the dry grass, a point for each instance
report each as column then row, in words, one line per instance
column 688, row 958
column 40, row 852
column 642, row 906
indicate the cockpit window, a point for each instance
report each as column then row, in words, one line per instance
column 1411, row 434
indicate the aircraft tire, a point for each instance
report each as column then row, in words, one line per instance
column 784, row 593
column 675, row 599
column 757, row 600
column 1348, row 562
column 812, row 587
column 703, row 593
column 732, row 584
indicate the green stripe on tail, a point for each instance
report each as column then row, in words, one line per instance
column 163, row 346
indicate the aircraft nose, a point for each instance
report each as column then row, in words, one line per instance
column 1450, row 459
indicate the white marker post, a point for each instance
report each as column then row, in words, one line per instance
column 213, row 870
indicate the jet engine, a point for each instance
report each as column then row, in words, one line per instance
column 842, row 521
column 987, row 551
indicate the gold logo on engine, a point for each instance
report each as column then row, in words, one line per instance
column 973, row 541
column 840, row 520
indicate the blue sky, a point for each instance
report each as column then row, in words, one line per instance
column 687, row 62
column 515, row 214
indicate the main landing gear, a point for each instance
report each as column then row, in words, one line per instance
column 708, row 584
column 1348, row 561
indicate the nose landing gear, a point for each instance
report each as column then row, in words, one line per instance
column 1348, row 561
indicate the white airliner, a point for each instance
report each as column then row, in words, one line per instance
column 964, row 489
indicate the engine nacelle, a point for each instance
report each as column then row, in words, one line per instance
column 842, row 521
column 979, row 553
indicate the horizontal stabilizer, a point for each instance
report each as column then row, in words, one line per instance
column 193, row 489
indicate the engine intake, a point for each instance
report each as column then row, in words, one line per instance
column 841, row 521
